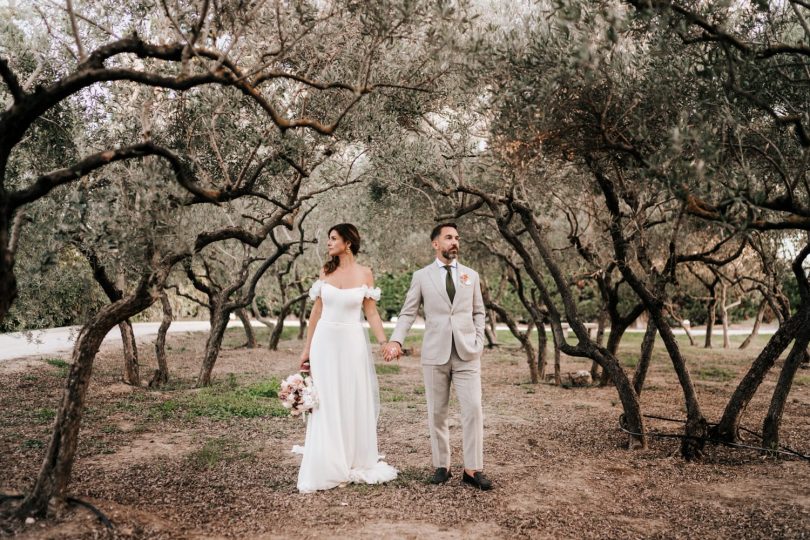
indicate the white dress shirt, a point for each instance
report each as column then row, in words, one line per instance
column 453, row 270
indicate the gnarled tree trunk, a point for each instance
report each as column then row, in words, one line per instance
column 249, row 333
column 711, row 310
column 724, row 307
column 523, row 337
column 131, row 367
column 557, row 371
column 798, row 326
column 219, row 323
column 115, row 293
column 302, row 318
column 645, row 356
column 542, row 353
column 652, row 296
column 601, row 323
column 8, row 281
column 757, row 323
column 161, row 375
column 773, row 419
column 278, row 328
column 54, row 474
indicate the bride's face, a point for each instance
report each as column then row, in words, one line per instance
column 335, row 245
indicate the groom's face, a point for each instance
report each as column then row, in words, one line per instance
column 447, row 243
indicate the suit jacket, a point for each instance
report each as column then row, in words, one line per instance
column 461, row 321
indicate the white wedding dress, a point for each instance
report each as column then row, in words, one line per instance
column 341, row 442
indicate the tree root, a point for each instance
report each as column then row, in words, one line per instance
column 72, row 501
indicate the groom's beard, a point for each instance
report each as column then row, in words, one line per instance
column 450, row 254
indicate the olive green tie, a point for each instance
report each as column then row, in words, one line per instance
column 448, row 282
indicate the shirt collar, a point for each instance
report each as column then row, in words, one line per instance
column 453, row 263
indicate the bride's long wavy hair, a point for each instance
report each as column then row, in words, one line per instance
column 351, row 236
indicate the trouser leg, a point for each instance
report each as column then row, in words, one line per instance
column 466, row 378
column 437, row 391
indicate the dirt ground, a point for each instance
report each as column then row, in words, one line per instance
column 186, row 463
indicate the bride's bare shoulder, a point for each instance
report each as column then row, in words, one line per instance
column 368, row 275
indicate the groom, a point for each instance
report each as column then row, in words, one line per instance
column 451, row 351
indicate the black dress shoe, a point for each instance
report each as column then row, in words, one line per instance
column 478, row 480
column 440, row 476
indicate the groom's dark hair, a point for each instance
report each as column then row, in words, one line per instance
column 437, row 230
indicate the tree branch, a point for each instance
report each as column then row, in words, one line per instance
column 45, row 183
column 11, row 80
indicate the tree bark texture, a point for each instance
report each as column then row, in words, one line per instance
column 652, row 296
column 557, row 370
column 586, row 347
column 757, row 323
column 601, row 323
column 724, row 308
column 278, row 328
column 161, row 375
column 54, row 475
column 302, row 318
column 219, row 323
column 542, row 350
column 645, row 356
column 773, row 419
column 131, row 367
column 8, row 281
column 711, row 306
column 505, row 211
column 523, row 337
column 729, row 424
column 115, row 293
column 250, row 335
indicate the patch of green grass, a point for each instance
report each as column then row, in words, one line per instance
column 165, row 409
column 629, row 360
column 235, row 337
column 392, row 396
column 528, row 387
column 419, row 390
column 227, row 400
column 386, row 369
column 126, row 405
column 44, row 415
column 714, row 373
column 33, row 443
column 802, row 380
column 214, row 451
column 265, row 389
column 57, row 362
column 62, row 366
column 409, row 476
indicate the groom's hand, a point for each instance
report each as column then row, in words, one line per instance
column 392, row 350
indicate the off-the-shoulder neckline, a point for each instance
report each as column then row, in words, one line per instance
column 363, row 286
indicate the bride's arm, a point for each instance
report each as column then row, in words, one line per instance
column 314, row 317
column 371, row 313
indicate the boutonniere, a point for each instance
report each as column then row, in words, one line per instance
column 465, row 279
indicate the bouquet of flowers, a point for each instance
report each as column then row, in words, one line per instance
column 298, row 394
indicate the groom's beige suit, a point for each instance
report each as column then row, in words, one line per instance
column 451, row 352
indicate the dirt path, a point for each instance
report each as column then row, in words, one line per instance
column 183, row 463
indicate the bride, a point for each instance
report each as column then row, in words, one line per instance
column 341, row 442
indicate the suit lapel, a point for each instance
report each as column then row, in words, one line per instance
column 437, row 277
column 461, row 289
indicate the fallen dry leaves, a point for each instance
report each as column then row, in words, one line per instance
column 556, row 456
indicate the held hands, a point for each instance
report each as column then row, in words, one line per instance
column 392, row 351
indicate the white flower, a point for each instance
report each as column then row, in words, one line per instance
column 298, row 394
